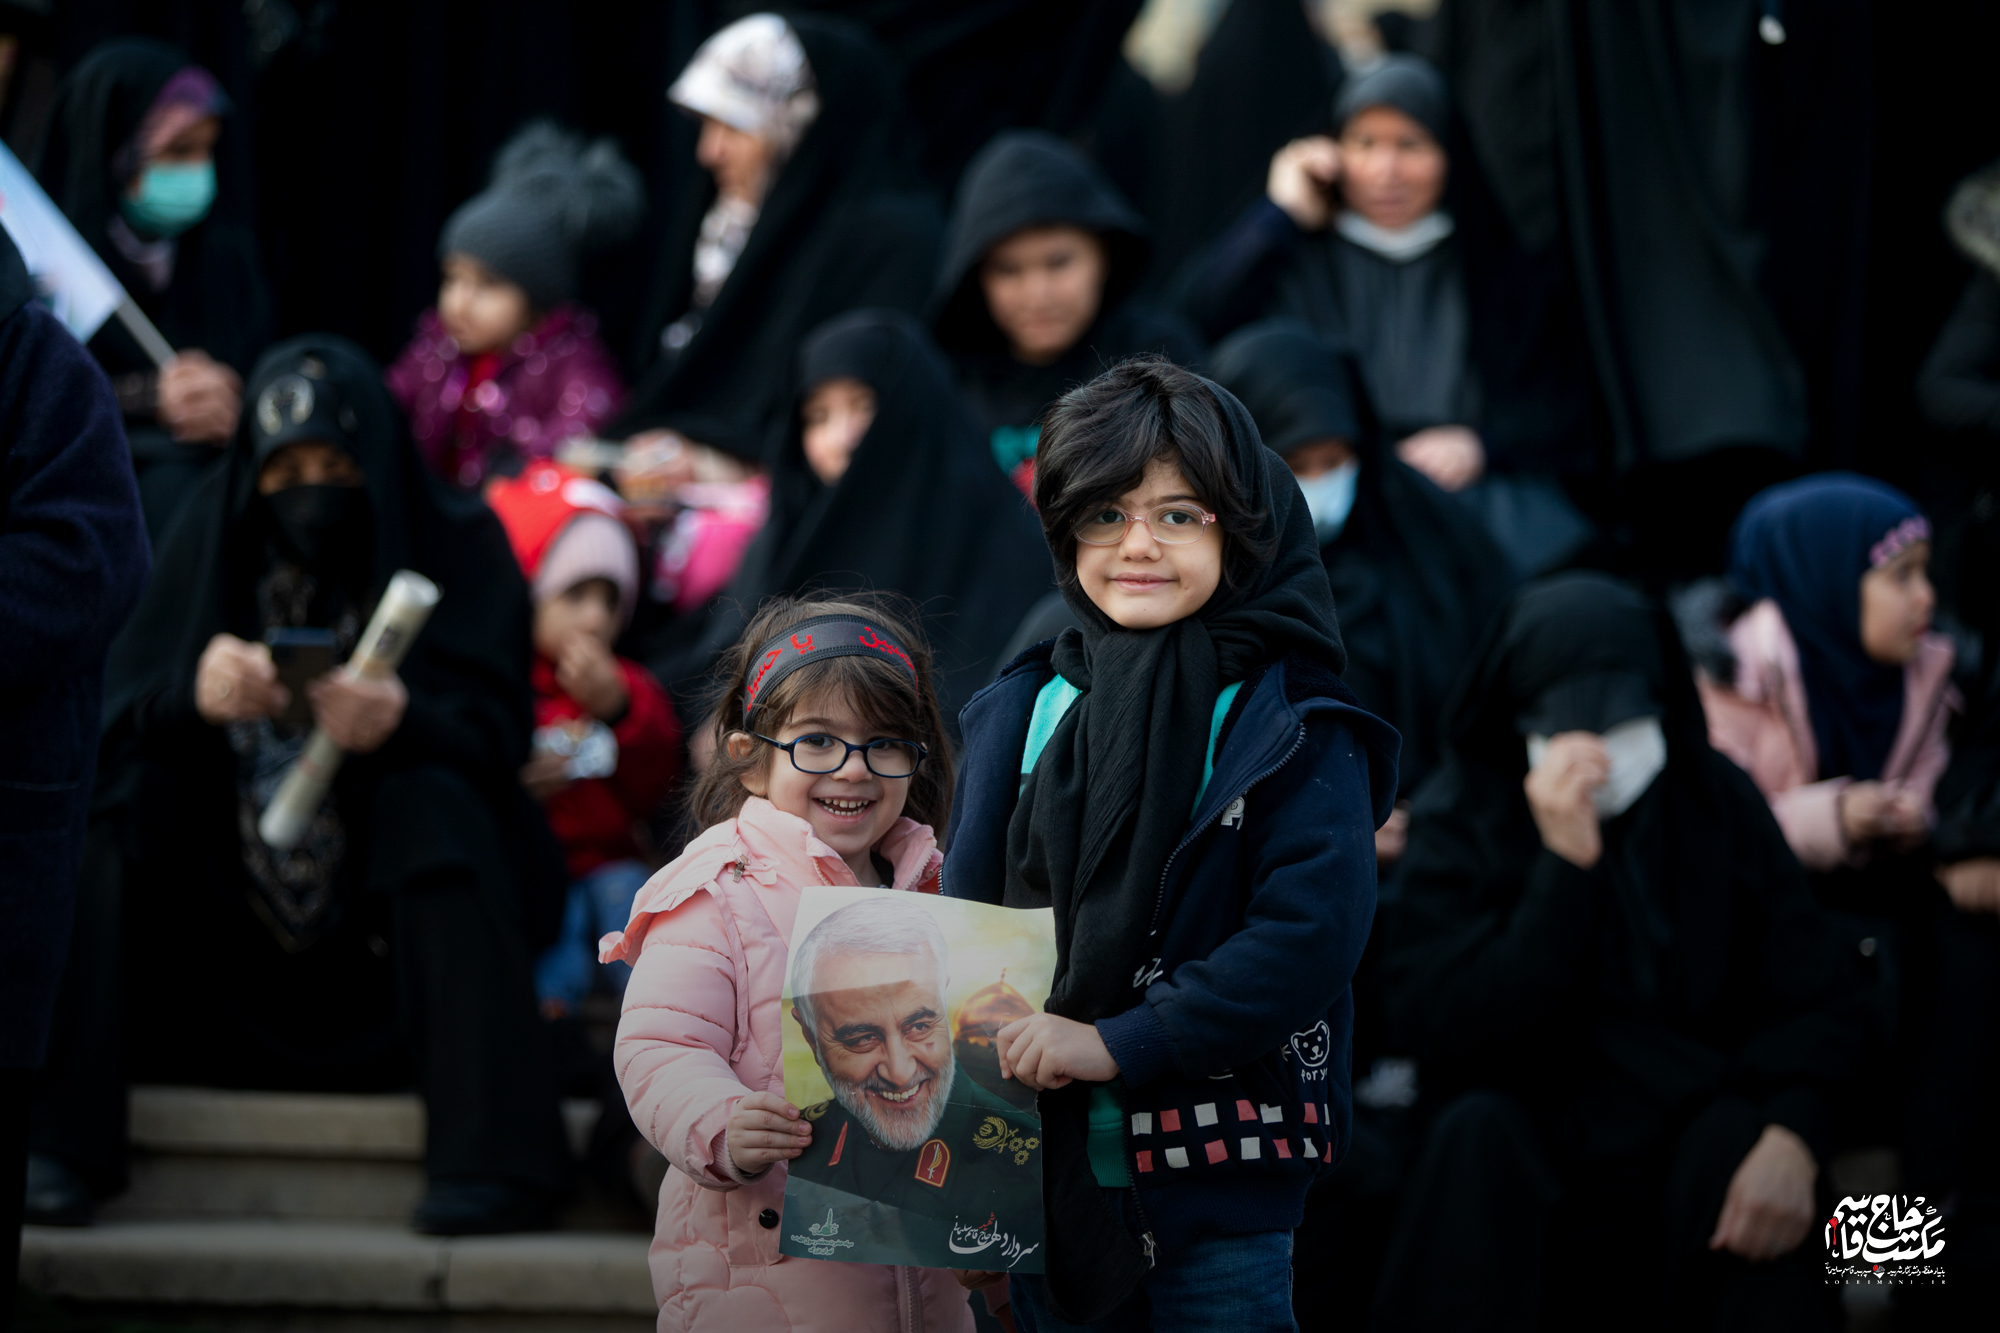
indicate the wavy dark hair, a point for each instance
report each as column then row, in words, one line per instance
column 1098, row 439
column 878, row 690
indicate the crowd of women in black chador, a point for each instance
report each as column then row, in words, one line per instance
column 1600, row 985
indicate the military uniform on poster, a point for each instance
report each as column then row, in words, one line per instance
column 969, row 1197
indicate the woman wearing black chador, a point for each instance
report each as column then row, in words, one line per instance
column 394, row 942
column 1630, row 1019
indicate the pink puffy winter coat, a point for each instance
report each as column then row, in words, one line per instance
column 1760, row 721
column 708, row 943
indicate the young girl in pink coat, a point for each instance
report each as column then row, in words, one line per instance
column 699, row 1049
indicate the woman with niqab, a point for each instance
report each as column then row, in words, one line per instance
column 1626, row 1008
column 807, row 215
column 130, row 158
column 397, row 933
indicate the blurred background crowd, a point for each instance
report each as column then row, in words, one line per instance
column 617, row 319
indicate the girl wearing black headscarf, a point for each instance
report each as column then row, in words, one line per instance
column 130, row 159
column 808, row 216
column 1187, row 783
column 1625, row 1004
column 898, row 495
column 1034, row 295
column 408, row 906
column 1415, row 578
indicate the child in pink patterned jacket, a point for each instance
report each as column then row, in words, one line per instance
column 507, row 366
column 699, row 1045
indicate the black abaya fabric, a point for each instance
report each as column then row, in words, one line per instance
column 218, row 300
column 1026, row 178
column 1263, row 78
column 1115, row 787
column 1689, row 963
column 1415, row 576
column 921, row 510
column 972, row 70
column 841, row 228
column 1690, row 177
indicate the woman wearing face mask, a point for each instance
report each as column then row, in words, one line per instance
column 881, row 482
column 809, row 215
column 1352, row 237
column 1626, row 1007
column 130, row 158
column 1034, row 295
column 1415, row 583
column 395, row 937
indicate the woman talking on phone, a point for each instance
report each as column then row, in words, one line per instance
column 1354, row 237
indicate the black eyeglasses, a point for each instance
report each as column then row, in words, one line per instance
column 821, row 753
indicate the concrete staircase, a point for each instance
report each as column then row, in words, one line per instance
column 282, row 1211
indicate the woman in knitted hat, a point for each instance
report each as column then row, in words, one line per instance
column 507, row 365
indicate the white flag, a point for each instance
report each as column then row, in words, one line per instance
column 67, row 272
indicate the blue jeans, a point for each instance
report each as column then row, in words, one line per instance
column 598, row 903
column 1217, row 1284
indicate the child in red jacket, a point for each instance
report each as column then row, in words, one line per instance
column 607, row 745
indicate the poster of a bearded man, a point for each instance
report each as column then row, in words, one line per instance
column 908, row 1164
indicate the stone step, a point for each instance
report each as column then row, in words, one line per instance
column 339, row 1266
column 213, row 1153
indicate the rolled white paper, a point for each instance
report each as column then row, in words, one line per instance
column 406, row 604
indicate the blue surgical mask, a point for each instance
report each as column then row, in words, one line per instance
column 1330, row 497
column 172, row 197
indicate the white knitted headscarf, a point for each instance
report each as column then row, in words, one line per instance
column 752, row 76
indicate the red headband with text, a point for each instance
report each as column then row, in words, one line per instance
column 813, row 640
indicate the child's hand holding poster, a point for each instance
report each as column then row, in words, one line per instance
column 921, row 1153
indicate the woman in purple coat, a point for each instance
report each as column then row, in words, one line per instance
column 507, row 366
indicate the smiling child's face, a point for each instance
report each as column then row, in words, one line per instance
column 1140, row 581
column 850, row 809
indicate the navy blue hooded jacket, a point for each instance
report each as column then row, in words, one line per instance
column 1236, row 1063
column 73, row 559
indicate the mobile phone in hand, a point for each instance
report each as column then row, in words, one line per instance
column 301, row 655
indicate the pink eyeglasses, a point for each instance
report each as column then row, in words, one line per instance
column 1172, row 524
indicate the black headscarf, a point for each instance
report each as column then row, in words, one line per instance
column 836, row 231
column 1806, row 545
column 1410, row 84
column 921, row 510
column 1415, row 576
column 1114, row 790
column 1029, row 178
column 217, row 299
column 1667, row 858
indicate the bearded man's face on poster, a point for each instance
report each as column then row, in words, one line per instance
column 877, row 1026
